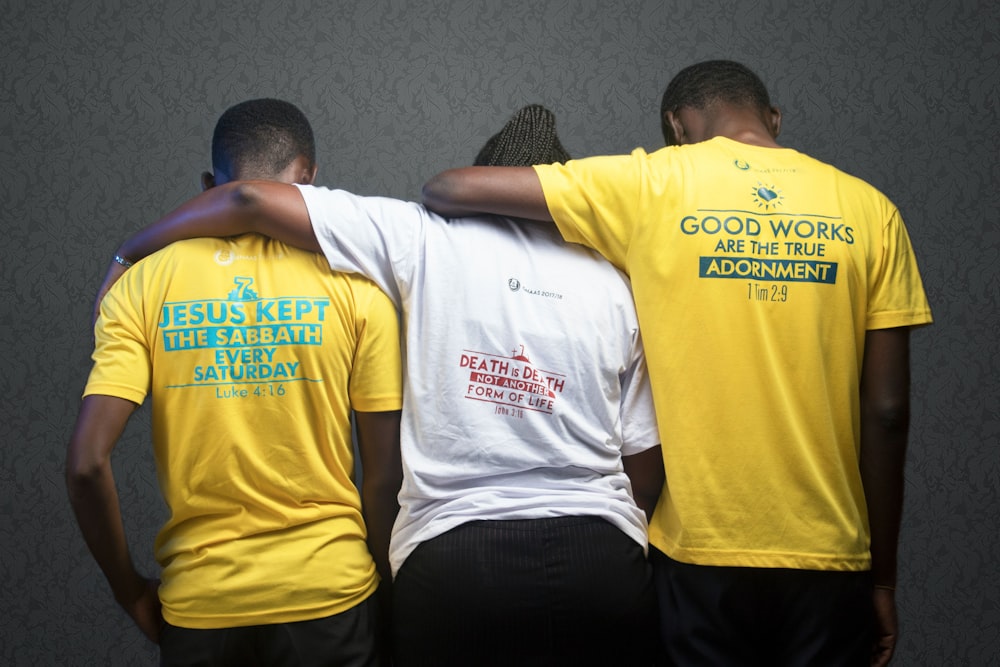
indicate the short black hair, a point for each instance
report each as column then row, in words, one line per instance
column 528, row 138
column 259, row 138
column 705, row 84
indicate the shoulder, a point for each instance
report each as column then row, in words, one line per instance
column 346, row 202
column 194, row 251
column 856, row 184
column 365, row 293
column 860, row 192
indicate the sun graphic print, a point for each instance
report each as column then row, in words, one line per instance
column 766, row 197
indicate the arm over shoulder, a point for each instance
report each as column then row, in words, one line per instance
column 510, row 191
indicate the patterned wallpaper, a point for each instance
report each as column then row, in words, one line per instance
column 107, row 111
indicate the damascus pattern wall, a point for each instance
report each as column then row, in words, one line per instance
column 107, row 111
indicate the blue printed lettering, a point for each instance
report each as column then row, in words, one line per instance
column 284, row 370
column 711, row 224
column 264, row 311
column 782, row 226
column 807, row 229
column 195, row 313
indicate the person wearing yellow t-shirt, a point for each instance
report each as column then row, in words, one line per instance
column 255, row 356
column 529, row 444
column 775, row 295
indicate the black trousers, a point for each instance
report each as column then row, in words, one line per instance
column 348, row 639
column 738, row 617
column 559, row 591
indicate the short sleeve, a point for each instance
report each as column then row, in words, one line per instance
column 122, row 362
column 896, row 294
column 639, row 426
column 374, row 236
column 376, row 383
column 594, row 201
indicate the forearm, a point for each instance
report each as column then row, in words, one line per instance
column 883, row 455
column 382, row 475
column 646, row 474
column 273, row 209
column 379, row 499
column 95, row 502
column 222, row 211
column 883, row 452
column 90, row 483
column 885, row 417
column 510, row 191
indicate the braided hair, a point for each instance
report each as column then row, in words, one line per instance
column 259, row 138
column 703, row 85
column 528, row 138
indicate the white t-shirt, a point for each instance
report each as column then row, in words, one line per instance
column 524, row 375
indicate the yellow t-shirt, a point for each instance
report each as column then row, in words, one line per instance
column 254, row 353
column 756, row 272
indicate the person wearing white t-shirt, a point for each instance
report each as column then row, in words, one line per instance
column 529, row 444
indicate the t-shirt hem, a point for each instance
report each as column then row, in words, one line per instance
column 116, row 390
column 765, row 559
column 378, row 404
column 551, row 192
column 263, row 617
column 404, row 544
column 898, row 319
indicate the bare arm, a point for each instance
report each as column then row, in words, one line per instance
column 885, row 416
column 92, row 492
column 266, row 207
column 511, row 191
column 645, row 471
column 382, row 475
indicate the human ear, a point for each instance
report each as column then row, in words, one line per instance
column 774, row 121
column 207, row 180
column 309, row 175
column 676, row 129
column 668, row 133
column 300, row 170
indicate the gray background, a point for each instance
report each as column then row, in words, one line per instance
column 107, row 112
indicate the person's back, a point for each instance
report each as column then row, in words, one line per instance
column 529, row 444
column 255, row 356
column 758, row 273
column 524, row 389
column 760, row 276
column 774, row 294
column 520, row 352
column 774, row 272
column 254, row 375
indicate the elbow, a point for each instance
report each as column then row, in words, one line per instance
column 84, row 470
column 246, row 198
column 438, row 194
column 82, row 476
column 239, row 207
column 382, row 484
column 889, row 415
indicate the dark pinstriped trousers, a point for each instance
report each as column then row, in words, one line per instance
column 763, row 617
column 347, row 639
column 559, row 591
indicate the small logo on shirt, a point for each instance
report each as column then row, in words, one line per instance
column 515, row 285
column 242, row 291
column 225, row 257
column 766, row 197
column 742, row 165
